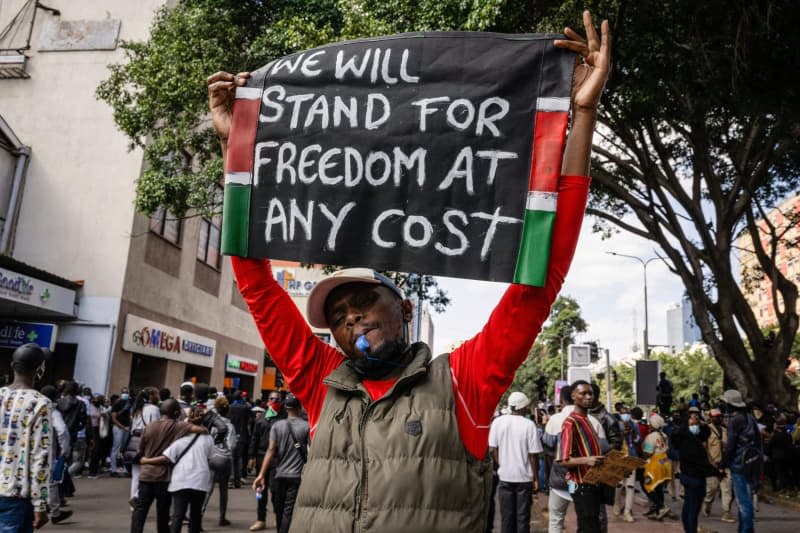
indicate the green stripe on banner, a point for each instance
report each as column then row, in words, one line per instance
column 235, row 219
column 534, row 248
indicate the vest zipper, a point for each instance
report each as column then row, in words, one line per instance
column 362, row 483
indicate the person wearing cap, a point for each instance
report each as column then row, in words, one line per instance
column 658, row 469
column 288, row 448
column 25, row 441
column 515, row 443
column 401, row 438
column 714, row 447
column 743, row 433
column 187, row 397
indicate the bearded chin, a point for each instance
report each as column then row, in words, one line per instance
column 381, row 362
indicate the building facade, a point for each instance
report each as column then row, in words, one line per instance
column 122, row 299
column 756, row 287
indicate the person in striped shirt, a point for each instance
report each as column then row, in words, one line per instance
column 579, row 451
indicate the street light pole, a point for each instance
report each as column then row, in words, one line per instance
column 646, row 322
column 561, row 352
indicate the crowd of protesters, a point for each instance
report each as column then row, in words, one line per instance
column 175, row 451
column 698, row 452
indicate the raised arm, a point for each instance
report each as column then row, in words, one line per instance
column 303, row 359
column 484, row 366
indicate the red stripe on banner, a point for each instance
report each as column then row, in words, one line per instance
column 549, row 132
column 242, row 139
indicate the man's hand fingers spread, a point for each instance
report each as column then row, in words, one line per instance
column 220, row 86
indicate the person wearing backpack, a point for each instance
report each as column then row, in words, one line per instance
column 288, row 446
column 221, row 462
column 743, row 455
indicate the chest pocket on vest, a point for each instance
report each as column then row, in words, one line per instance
column 414, row 427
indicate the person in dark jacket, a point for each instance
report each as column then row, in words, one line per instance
column 239, row 415
column 690, row 441
column 259, row 444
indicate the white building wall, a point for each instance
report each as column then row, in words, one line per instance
column 77, row 209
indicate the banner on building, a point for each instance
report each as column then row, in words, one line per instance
column 437, row 153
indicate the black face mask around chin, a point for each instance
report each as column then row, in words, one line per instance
column 380, row 363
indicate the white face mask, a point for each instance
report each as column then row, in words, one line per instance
column 626, row 417
column 694, row 429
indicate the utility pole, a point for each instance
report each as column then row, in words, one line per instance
column 646, row 323
column 608, row 379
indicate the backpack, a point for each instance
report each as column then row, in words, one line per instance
column 220, row 459
column 749, row 456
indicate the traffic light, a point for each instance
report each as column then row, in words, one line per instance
column 593, row 351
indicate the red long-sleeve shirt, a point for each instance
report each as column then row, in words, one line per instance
column 482, row 368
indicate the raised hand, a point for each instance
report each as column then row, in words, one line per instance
column 592, row 63
column 221, row 92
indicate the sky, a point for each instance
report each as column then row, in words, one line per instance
column 609, row 290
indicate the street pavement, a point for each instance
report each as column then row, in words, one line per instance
column 100, row 505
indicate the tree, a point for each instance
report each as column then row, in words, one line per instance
column 698, row 132
column 544, row 359
column 700, row 129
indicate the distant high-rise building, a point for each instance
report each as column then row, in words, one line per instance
column 755, row 284
column 681, row 326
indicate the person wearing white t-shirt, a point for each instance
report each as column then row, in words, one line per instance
column 191, row 475
column 514, row 442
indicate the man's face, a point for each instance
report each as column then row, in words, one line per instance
column 583, row 396
column 694, row 418
column 356, row 309
column 274, row 398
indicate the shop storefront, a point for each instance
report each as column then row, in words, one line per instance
column 163, row 356
column 30, row 311
column 240, row 373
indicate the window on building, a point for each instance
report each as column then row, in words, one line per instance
column 210, row 237
column 165, row 224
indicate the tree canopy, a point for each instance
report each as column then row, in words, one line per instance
column 697, row 136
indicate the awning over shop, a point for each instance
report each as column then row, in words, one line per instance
column 28, row 293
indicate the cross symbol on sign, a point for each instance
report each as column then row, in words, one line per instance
column 32, row 336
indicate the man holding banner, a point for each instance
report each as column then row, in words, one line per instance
column 399, row 439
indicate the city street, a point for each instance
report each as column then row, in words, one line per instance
column 101, row 505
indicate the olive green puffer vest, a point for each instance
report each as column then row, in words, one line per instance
column 393, row 465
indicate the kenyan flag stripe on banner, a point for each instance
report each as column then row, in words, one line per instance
column 239, row 175
column 550, row 128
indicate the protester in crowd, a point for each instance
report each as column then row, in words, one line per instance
column 579, row 450
column 239, row 415
column 715, row 446
column 742, row 455
column 664, row 395
column 288, row 446
column 356, row 302
column 154, row 478
column 559, row 497
column 59, row 458
column 93, row 411
column 515, row 443
column 121, row 423
column 613, row 433
column 695, row 468
column 25, row 439
column 225, row 440
column 259, row 444
column 623, row 498
column 73, row 410
column 780, row 451
column 145, row 411
column 187, row 396
column 545, row 458
column 164, row 394
column 673, row 486
column 658, row 470
column 191, row 475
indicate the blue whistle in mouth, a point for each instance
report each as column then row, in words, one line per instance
column 362, row 344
